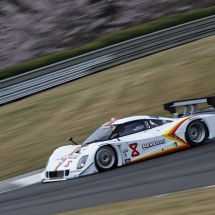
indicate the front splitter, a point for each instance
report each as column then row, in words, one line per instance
column 53, row 180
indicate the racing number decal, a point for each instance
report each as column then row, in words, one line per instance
column 134, row 153
column 147, row 124
column 68, row 163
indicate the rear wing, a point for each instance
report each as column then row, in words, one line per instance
column 171, row 106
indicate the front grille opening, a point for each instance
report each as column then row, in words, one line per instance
column 57, row 174
column 67, row 172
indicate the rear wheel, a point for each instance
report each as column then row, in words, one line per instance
column 196, row 133
column 105, row 158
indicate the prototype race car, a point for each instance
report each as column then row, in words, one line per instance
column 132, row 139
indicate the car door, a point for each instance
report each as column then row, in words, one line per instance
column 157, row 147
column 133, row 136
column 163, row 132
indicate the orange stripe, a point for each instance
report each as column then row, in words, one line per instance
column 111, row 122
column 170, row 134
column 62, row 161
column 59, row 164
column 166, row 151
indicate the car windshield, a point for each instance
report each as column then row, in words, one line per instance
column 101, row 134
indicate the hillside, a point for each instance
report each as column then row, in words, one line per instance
column 31, row 29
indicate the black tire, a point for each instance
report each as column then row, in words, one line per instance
column 105, row 158
column 196, row 133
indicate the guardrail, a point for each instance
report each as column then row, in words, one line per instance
column 35, row 81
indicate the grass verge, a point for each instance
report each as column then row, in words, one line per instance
column 111, row 39
column 33, row 127
column 198, row 202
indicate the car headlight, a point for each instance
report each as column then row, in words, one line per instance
column 82, row 162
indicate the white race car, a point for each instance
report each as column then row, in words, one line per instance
column 132, row 139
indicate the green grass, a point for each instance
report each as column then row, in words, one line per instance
column 198, row 202
column 111, row 39
column 33, row 127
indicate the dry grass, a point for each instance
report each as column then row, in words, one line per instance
column 194, row 202
column 33, row 127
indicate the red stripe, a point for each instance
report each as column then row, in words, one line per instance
column 182, row 140
column 177, row 126
column 111, row 122
column 172, row 132
column 66, row 158
column 59, row 165
column 159, row 153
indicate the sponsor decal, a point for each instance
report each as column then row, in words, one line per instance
column 63, row 159
column 125, row 150
column 73, row 156
column 128, row 161
column 125, row 155
column 134, row 153
column 108, row 126
column 68, row 163
column 155, row 143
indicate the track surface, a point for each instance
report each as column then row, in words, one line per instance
column 182, row 170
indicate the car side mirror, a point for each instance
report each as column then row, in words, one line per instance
column 71, row 139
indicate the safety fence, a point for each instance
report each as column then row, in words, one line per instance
column 38, row 80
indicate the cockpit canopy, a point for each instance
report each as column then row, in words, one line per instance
column 108, row 132
column 101, row 134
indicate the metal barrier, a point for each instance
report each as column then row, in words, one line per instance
column 35, row 81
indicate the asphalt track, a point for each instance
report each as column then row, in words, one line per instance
column 187, row 169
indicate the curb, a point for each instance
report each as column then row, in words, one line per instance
column 20, row 181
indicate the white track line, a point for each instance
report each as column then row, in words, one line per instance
column 10, row 189
column 166, row 194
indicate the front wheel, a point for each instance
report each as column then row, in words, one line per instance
column 105, row 158
column 196, row 133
